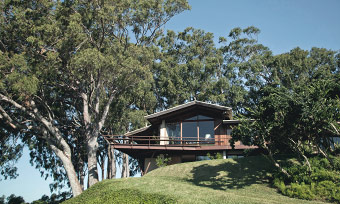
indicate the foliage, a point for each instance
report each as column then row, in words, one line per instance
column 190, row 66
column 288, row 117
column 13, row 199
column 321, row 184
column 10, row 151
column 53, row 199
column 63, row 64
column 162, row 160
column 215, row 156
column 68, row 68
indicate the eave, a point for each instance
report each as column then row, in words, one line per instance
column 210, row 109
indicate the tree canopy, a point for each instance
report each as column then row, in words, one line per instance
column 71, row 71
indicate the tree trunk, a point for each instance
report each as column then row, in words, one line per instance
column 325, row 155
column 125, row 167
column 81, row 174
column 111, row 163
column 70, row 171
column 92, row 148
column 102, row 168
column 82, row 177
column 276, row 164
column 296, row 147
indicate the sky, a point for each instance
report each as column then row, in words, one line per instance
column 284, row 25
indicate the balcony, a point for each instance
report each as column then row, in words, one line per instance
column 119, row 140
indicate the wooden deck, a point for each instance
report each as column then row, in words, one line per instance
column 118, row 140
column 147, row 144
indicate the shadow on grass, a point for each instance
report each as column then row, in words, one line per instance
column 243, row 172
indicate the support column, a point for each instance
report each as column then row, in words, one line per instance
column 224, row 154
column 163, row 134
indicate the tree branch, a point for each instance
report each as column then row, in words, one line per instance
column 106, row 110
column 17, row 105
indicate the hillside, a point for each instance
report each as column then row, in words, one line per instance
column 217, row 181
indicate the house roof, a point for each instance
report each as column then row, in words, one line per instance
column 137, row 131
column 231, row 121
column 187, row 105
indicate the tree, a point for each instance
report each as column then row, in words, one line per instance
column 81, row 54
column 13, row 199
column 298, row 111
column 187, row 64
column 190, row 66
column 2, row 199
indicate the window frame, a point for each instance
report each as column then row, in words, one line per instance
column 197, row 126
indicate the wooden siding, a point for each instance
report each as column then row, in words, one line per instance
column 221, row 137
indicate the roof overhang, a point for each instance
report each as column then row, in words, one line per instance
column 180, row 109
column 231, row 122
column 137, row 131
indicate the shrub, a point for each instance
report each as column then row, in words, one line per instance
column 162, row 160
column 215, row 156
column 322, row 183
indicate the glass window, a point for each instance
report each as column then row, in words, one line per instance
column 192, row 118
column 189, row 131
column 199, row 117
column 202, row 117
column 195, row 128
column 173, row 130
column 201, row 158
column 206, row 130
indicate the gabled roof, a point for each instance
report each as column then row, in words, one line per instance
column 137, row 131
column 188, row 105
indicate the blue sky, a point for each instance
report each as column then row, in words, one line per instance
column 284, row 25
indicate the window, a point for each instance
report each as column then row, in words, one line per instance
column 189, row 130
column 196, row 129
column 206, row 130
column 174, row 132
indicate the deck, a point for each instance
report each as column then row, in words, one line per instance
column 147, row 144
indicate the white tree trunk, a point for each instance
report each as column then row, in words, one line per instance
column 125, row 167
column 111, row 163
column 92, row 148
column 70, row 171
column 53, row 137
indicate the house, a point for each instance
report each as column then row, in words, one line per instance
column 187, row 132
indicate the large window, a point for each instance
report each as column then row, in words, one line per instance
column 198, row 128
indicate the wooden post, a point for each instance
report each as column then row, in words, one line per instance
column 181, row 133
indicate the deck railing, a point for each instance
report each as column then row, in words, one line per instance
column 157, row 140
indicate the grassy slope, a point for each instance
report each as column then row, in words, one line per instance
column 217, row 181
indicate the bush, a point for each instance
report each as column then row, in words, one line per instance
column 323, row 183
column 215, row 156
column 162, row 160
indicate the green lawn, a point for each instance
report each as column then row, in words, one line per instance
column 217, row 181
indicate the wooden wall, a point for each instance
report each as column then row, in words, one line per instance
column 222, row 133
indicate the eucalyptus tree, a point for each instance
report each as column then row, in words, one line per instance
column 191, row 66
column 26, row 76
column 107, row 62
column 85, row 52
column 186, row 67
column 239, row 48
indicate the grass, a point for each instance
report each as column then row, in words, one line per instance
column 243, row 180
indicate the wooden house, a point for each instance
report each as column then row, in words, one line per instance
column 187, row 132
